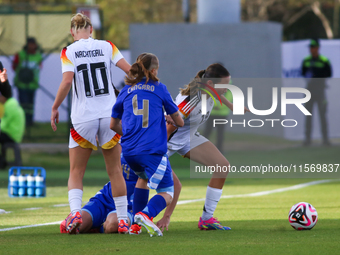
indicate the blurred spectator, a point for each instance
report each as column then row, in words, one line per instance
column 316, row 68
column 218, row 112
column 13, row 119
column 26, row 65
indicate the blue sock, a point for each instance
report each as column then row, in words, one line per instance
column 155, row 206
column 140, row 200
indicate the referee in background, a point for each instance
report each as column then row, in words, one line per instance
column 316, row 69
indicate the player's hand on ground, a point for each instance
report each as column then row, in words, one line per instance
column 3, row 75
column 163, row 223
column 54, row 119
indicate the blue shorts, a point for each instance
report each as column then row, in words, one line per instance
column 99, row 211
column 155, row 168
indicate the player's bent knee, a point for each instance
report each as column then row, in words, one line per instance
column 168, row 198
column 169, row 201
column 110, row 228
column 167, row 195
column 220, row 175
column 111, row 224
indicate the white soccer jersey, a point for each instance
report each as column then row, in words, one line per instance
column 93, row 94
column 190, row 109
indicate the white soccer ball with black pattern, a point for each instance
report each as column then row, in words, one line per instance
column 302, row 216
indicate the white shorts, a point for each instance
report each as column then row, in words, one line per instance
column 195, row 140
column 88, row 133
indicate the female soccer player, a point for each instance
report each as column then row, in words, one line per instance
column 138, row 116
column 187, row 142
column 86, row 66
column 99, row 214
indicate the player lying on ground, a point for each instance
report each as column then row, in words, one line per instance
column 138, row 116
column 187, row 142
column 99, row 214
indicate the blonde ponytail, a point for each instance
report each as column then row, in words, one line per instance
column 80, row 21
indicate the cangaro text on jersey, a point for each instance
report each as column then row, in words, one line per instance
column 141, row 87
column 89, row 53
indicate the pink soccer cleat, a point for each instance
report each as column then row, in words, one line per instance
column 211, row 224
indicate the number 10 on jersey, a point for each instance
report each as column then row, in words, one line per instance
column 93, row 68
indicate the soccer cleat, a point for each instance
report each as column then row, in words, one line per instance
column 123, row 227
column 135, row 229
column 145, row 221
column 211, row 224
column 73, row 222
column 63, row 225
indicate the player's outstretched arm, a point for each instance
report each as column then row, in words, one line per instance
column 63, row 90
column 177, row 118
column 116, row 125
column 165, row 221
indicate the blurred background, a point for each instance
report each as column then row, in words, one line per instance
column 261, row 42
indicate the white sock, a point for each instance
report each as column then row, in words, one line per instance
column 121, row 207
column 75, row 197
column 212, row 197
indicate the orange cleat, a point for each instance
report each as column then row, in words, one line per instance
column 123, row 227
column 73, row 223
column 135, row 229
column 146, row 222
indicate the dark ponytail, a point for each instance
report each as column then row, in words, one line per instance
column 213, row 71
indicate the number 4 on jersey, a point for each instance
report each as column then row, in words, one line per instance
column 144, row 111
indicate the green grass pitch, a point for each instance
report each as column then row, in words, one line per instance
column 259, row 224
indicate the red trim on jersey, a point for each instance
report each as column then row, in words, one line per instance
column 81, row 141
column 64, row 58
column 182, row 105
column 114, row 49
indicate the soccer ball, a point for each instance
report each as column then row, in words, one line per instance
column 302, row 216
